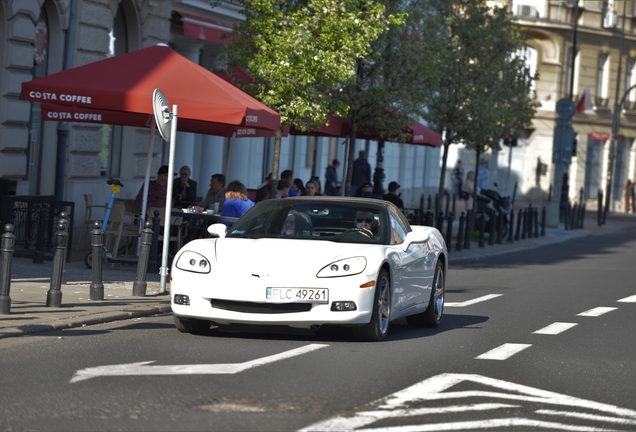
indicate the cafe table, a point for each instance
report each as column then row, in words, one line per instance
column 197, row 223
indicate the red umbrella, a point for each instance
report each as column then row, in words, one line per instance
column 125, row 83
column 418, row 133
column 53, row 112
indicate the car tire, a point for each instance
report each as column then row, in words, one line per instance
column 432, row 316
column 377, row 329
column 192, row 326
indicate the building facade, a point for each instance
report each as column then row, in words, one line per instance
column 42, row 37
column 549, row 28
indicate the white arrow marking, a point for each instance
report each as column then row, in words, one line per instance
column 555, row 328
column 473, row 301
column 437, row 388
column 503, row 352
column 630, row 299
column 597, row 311
column 141, row 368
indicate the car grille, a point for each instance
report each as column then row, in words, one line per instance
column 261, row 308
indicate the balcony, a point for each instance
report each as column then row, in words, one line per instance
column 629, row 106
column 601, row 103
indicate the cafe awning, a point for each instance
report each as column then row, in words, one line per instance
column 207, row 29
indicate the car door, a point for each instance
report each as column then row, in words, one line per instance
column 411, row 285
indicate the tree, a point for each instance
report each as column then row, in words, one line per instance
column 299, row 51
column 392, row 83
column 485, row 86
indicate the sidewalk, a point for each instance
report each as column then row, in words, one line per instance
column 31, row 282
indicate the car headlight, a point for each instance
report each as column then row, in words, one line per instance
column 345, row 267
column 194, row 262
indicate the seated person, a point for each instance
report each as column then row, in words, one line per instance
column 297, row 224
column 365, row 223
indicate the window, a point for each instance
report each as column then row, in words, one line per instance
column 529, row 55
column 602, row 80
column 110, row 154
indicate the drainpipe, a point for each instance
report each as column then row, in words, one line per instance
column 63, row 128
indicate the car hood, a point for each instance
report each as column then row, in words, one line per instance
column 237, row 258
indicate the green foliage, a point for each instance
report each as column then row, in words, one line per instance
column 298, row 52
column 485, row 85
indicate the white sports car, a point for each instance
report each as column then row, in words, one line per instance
column 306, row 262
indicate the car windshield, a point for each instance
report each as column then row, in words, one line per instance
column 338, row 221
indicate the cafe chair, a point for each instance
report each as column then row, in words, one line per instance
column 178, row 228
column 89, row 218
column 121, row 225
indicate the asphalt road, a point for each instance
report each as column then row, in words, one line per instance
column 540, row 340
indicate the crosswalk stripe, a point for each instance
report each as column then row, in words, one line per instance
column 630, row 299
column 555, row 328
column 597, row 311
column 503, row 352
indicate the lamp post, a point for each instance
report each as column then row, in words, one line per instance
column 616, row 118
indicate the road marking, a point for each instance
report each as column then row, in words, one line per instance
column 503, row 352
column 555, row 329
column 439, row 388
column 141, row 368
column 630, row 299
column 597, row 311
column 473, row 301
column 588, row 416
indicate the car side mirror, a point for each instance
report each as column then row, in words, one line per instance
column 415, row 237
column 217, row 230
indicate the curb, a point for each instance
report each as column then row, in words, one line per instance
column 99, row 318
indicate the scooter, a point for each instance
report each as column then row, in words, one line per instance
column 489, row 203
column 115, row 186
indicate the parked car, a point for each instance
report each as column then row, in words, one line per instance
column 308, row 262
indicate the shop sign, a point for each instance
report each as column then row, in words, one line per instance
column 600, row 136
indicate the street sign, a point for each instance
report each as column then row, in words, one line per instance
column 563, row 133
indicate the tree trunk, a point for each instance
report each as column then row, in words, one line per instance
column 474, row 209
column 442, row 175
column 350, row 148
column 276, row 163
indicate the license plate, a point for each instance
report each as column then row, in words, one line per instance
column 297, row 295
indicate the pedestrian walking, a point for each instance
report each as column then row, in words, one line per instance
column 361, row 172
column 332, row 184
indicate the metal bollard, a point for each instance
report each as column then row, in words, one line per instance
column 440, row 222
column 8, row 245
column 524, row 223
column 492, row 228
column 573, row 215
column 460, row 232
column 153, row 263
column 500, row 228
column 529, row 221
column 599, row 216
column 64, row 220
column 543, row 215
column 97, row 246
column 469, row 229
column 519, row 225
column 449, row 231
column 428, row 220
column 454, row 200
column 511, row 228
column 566, row 217
column 583, row 215
column 54, row 295
column 482, row 228
column 139, row 286
column 536, row 222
